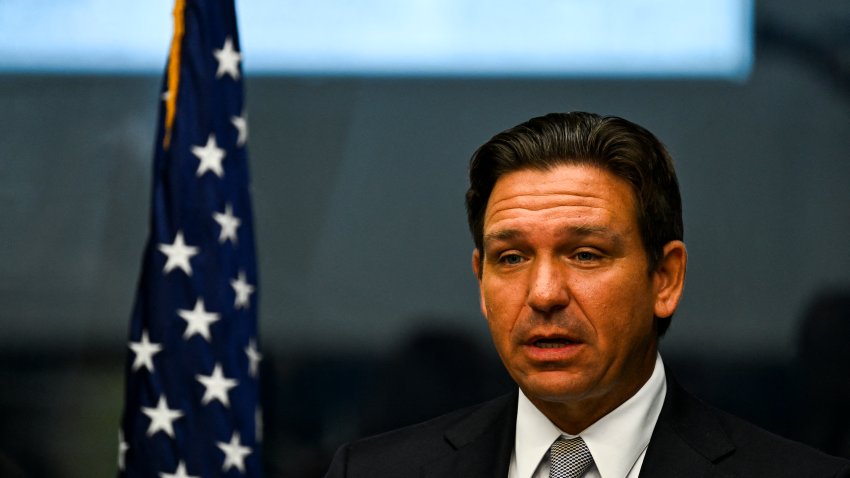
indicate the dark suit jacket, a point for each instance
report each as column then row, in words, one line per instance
column 690, row 439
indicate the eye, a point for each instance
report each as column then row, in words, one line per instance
column 585, row 256
column 510, row 259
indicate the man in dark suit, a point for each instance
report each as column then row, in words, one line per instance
column 577, row 225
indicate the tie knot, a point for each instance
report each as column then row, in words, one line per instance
column 569, row 458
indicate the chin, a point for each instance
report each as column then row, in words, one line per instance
column 555, row 386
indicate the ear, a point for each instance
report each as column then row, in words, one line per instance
column 478, row 270
column 669, row 278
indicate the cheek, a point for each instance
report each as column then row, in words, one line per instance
column 499, row 318
column 594, row 297
column 501, row 295
column 614, row 304
column 503, row 305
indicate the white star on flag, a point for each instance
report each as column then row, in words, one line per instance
column 178, row 255
column 198, row 320
column 243, row 291
column 144, row 350
column 180, row 472
column 217, row 386
column 228, row 222
column 234, row 453
column 162, row 417
column 241, row 125
column 122, row 449
column 211, row 157
column 228, row 60
column 254, row 357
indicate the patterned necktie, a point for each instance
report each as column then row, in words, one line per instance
column 569, row 458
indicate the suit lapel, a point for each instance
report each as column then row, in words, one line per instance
column 687, row 440
column 482, row 443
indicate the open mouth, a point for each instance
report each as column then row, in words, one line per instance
column 552, row 343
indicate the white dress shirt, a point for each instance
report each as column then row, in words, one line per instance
column 617, row 441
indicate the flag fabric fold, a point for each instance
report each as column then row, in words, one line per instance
column 192, row 389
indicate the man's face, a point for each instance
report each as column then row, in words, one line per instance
column 565, row 286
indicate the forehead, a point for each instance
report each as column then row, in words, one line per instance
column 577, row 191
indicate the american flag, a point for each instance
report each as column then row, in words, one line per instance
column 192, row 393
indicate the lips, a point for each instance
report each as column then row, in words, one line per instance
column 552, row 343
column 552, row 339
column 552, row 348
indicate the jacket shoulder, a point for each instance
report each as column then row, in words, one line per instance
column 776, row 455
column 691, row 434
column 397, row 452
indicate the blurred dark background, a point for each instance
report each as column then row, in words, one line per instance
column 369, row 312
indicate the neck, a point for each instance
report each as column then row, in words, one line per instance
column 574, row 415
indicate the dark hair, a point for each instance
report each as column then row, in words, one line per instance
column 613, row 144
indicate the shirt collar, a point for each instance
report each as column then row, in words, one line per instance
column 616, row 440
column 534, row 435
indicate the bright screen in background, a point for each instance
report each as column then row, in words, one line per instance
column 706, row 38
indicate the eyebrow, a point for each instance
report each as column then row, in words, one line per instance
column 580, row 231
column 503, row 235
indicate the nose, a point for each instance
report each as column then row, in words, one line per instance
column 548, row 291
